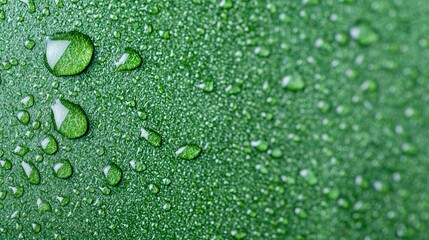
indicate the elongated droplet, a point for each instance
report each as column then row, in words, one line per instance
column 69, row 119
column 113, row 174
column 188, row 152
column 31, row 172
column 68, row 53
column 129, row 60
column 49, row 145
column 63, row 169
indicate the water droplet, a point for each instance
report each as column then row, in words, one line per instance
column 63, row 200
column 36, row 227
column 142, row 114
column 153, row 189
column 1, row 206
column 69, row 119
column 293, row 83
column 28, row 101
column 166, row 207
column 31, row 172
column 68, row 53
column 232, row 89
column 188, row 152
column 262, row 52
column 226, row 4
column 29, row 44
column 364, row 34
column 129, row 60
column 21, row 150
column 43, row 206
column 63, row 169
column 138, row 166
column 151, row 137
column 166, row 181
column 3, row 195
column 30, row 4
column 260, row 145
column 276, row 153
column 309, row 176
column 15, row 215
column 17, row 191
column 113, row 174
column 207, row 86
column 23, row 117
column 236, row 234
column 49, row 145
column 6, row 164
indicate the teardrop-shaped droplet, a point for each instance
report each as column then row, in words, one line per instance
column 151, row 137
column 31, row 171
column 113, row 174
column 63, row 169
column 49, row 145
column 129, row 60
column 188, row 152
column 69, row 119
column 138, row 166
column 68, row 53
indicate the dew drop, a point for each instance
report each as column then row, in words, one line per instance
column 293, row 83
column 129, row 60
column 151, row 137
column 49, row 145
column 43, row 206
column 21, row 150
column 28, row 101
column 138, row 166
column 17, row 191
column 23, row 117
column 153, row 189
column 69, row 119
column 36, row 227
column 68, row 53
column 308, row 176
column 32, row 173
column 62, row 200
column 188, row 152
column 260, row 145
column 113, row 174
column 63, row 169
column 364, row 34
column 6, row 164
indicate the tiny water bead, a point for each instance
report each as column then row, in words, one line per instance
column 151, row 137
column 188, row 152
column 364, row 33
column 49, row 145
column 153, row 189
column 308, row 176
column 36, row 227
column 68, row 53
column 63, row 169
column 113, row 174
column 29, row 44
column 32, row 173
column 293, row 82
column 69, row 119
column 23, row 117
column 129, row 60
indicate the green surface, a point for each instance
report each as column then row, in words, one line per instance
column 340, row 155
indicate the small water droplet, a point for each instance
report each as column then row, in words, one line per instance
column 364, row 34
column 260, row 145
column 138, row 166
column 28, row 101
column 31, row 171
column 3, row 195
column 151, row 137
column 17, row 191
column 63, row 200
column 113, row 174
column 129, row 60
column 226, row 4
column 68, row 53
column 43, row 206
column 21, row 150
column 63, row 169
column 23, row 117
column 188, row 152
column 308, row 176
column 69, row 119
column 293, row 83
column 166, row 207
column 6, row 164
column 49, row 145
column 153, row 189
column 36, row 227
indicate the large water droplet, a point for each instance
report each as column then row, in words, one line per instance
column 49, row 145
column 69, row 119
column 23, row 117
column 129, row 60
column 151, row 137
column 188, row 152
column 68, row 53
column 63, row 169
column 113, row 174
column 31, row 172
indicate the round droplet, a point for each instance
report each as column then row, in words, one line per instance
column 364, row 34
column 188, row 152
column 23, row 117
column 63, row 200
column 68, row 53
column 113, row 174
column 151, row 137
column 63, row 169
column 31, row 172
column 293, row 83
column 308, row 176
column 28, row 101
column 138, row 166
column 69, row 119
column 129, row 60
column 153, row 189
column 49, row 145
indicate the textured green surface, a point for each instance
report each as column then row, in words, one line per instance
column 345, row 157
